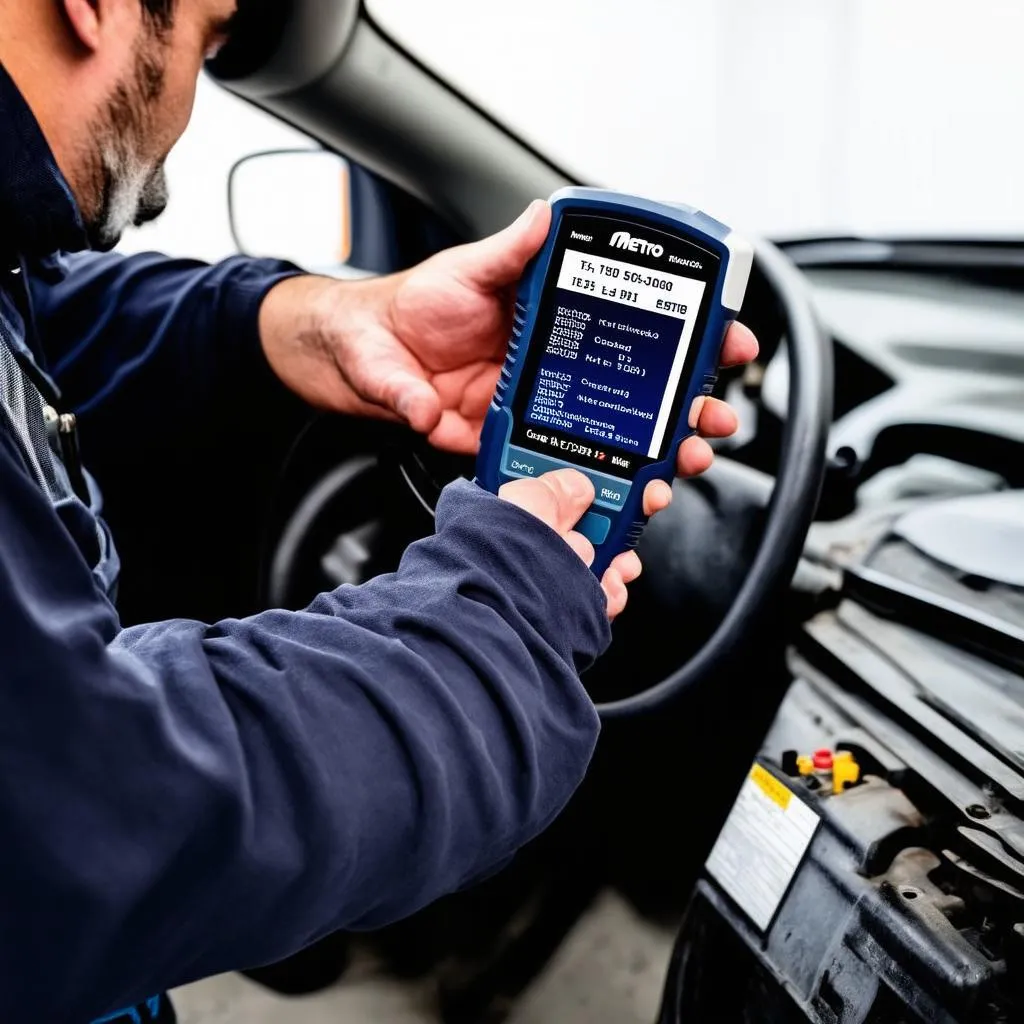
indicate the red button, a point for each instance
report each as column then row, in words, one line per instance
column 823, row 759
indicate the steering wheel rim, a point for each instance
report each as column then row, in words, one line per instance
column 790, row 510
column 794, row 498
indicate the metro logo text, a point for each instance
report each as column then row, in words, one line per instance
column 624, row 240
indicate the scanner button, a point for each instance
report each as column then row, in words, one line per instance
column 609, row 492
column 710, row 382
column 594, row 527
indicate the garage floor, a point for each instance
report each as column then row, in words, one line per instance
column 609, row 971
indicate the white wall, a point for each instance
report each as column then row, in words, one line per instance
column 935, row 136
column 783, row 117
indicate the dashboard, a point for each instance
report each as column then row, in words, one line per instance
column 929, row 353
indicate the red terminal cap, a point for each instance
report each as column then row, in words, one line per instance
column 823, row 759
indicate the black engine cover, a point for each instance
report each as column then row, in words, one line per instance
column 908, row 902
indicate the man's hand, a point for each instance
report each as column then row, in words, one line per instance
column 559, row 499
column 426, row 346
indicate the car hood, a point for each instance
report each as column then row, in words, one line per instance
column 980, row 537
column 933, row 599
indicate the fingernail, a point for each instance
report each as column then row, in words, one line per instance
column 695, row 410
column 406, row 407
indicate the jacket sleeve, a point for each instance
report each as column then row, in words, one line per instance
column 171, row 344
column 183, row 423
column 181, row 799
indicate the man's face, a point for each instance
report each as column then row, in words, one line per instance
column 146, row 112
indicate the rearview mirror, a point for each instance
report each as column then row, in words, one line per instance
column 293, row 205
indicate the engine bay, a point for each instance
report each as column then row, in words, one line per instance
column 909, row 903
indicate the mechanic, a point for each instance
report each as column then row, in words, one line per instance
column 181, row 799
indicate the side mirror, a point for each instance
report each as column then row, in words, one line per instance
column 294, row 205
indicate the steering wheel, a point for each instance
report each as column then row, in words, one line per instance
column 794, row 497
column 791, row 508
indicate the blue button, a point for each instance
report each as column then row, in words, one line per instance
column 594, row 527
column 610, row 492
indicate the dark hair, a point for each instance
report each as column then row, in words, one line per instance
column 161, row 12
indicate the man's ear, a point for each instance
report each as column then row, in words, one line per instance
column 84, row 18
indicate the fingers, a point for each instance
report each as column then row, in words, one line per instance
column 497, row 262
column 625, row 568
column 627, row 565
column 740, row 346
column 657, row 497
column 457, row 434
column 413, row 400
column 615, row 592
column 711, row 417
column 695, row 457
column 561, row 498
column 558, row 499
column 714, row 418
column 581, row 546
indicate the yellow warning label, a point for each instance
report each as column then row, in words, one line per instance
column 770, row 786
column 761, row 845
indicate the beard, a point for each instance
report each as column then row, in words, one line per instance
column 130, row 188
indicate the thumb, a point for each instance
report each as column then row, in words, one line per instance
column 558, row 499
column 406, row 395
column 418, row 404
column 498, row 261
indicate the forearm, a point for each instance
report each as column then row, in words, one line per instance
column 197, row 798
column 182, row 420
column 170, row 342
column 311, row 326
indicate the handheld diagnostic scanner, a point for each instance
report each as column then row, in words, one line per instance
column 618, row 326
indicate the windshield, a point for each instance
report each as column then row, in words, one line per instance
column 789, row 118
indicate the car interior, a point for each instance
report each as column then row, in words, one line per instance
column 849, row 577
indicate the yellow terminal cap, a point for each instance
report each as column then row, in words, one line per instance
column 805, row 765
column 844, row 770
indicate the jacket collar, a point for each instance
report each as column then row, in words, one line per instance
column 38, row 213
